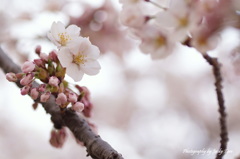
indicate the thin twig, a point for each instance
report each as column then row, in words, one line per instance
column 96, row 147
column 222, row 119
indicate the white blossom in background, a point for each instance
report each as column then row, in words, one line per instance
column 79, row 58
column 62, row 36
column 179, row 19
column 132, row 17
column 156, row 41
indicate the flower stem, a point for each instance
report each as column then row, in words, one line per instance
column 222, row 109
column 156, row 4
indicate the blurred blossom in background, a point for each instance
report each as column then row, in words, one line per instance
column 145, row 109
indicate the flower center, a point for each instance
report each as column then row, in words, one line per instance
column 79, row 59
column 160, row 41
column 64, row 38
column 183, row 21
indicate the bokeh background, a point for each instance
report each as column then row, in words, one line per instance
column 145, row 109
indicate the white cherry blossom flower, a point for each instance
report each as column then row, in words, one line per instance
column 79, row 58
column 178, row 18
column 156, row 41
column 62, row 36
column 132, row 17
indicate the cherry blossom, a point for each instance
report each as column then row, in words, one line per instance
column 78, row 107
column 26, row 79
column 179, row 19
column 11, row 77
column 61, row 36
column 79, row 58
column 61, row 99
column 34, row 93
column 156, row 41
column 28, row 66
column 132, row 17
column 53, row 81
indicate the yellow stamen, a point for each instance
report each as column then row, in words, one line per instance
column 160, row 41
column 79, row 59
column 183, row 21
column 64, row 38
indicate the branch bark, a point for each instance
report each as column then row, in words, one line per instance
column 96, row 147
column 222, row 119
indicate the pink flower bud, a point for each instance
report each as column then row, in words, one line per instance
column 78, row 107
column 61, row 99
column 28, row 67
column 34, row 93
column 53, row 56
column 20, row 75
column 11, row 77
column 42, row 88
column 58, row 138
column 43, row 56
column 72, row 97
column 25, row 90
column 45, row 96
column 39, row 62
column 38, row 49
column 53, row 81
column 26, row 80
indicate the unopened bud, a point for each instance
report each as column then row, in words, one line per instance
column 39, row 62
column 11, row 77
column 27, row 79
column 58, row 138
column 78, row 107
column 25, row 90
column 53, row 56
column 38, row 49
column 45, row 96
column 72, row 97
column 53, row 81
column 61, row 99
column 42, row 88
column 43, row 56
column 28, row 67
column 34, row 93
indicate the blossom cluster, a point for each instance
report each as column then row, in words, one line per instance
column 76, row 53
column 193, row 23
column 51, row 73
column 75, row 56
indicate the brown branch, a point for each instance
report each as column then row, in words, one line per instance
column 222, row 120
column 96, row 147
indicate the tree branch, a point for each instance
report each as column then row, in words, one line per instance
column 222, row 119
column 96, row 147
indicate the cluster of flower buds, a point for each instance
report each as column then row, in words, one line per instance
column 50, row 72
column 74, row 57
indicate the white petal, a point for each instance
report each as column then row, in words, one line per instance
column 160, row 53
column 55, row 30
column 146, row 47
column 60, row 27
column 65, row 57
column 73, row 30
column 91, row 67
column 166, row 19
column 94, row 52
column 178, row 7
column 50, row 37
column 75, row 45
column 74, row 72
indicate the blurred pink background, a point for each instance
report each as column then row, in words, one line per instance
column 145, row 109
